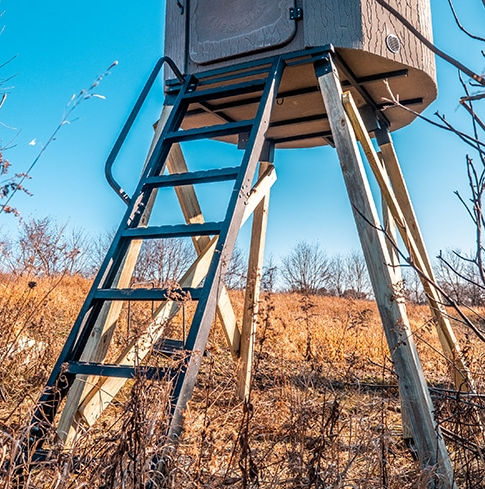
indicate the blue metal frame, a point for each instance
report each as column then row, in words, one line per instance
column 108, row 168
column 133, row 227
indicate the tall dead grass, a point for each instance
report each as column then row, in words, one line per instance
column 324, row 409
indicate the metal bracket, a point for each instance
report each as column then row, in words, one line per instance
column 369, row 118
column 296, row 13
column 267, row 153
column 323, row 66
column 382, row 135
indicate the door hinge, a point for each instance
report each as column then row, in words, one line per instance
column 296, row 13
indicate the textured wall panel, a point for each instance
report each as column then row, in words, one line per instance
column 222, row 29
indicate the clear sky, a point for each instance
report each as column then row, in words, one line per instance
column 61, row 47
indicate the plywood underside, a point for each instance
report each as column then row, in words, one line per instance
column 299, row 117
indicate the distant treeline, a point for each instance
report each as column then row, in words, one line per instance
column 45, row 248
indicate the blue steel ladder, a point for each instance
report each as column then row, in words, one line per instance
column 134, row 227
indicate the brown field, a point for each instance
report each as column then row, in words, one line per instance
column 324, row 410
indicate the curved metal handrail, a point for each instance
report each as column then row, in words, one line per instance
column 129, row 123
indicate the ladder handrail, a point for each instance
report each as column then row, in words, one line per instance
column 108, row 167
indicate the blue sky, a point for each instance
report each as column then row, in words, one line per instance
column 61, row 47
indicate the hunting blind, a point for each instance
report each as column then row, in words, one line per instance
column 262, row 75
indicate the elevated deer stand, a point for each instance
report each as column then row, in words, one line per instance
column 234, row 101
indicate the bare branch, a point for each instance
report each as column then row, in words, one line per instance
column 466, row 138
column 471, row 141
column 8, row 61
column 474, row 97
column 425, row 277
column 478, row 78
column 457, row 272
column 460, row 198
column 459, row 24
column 470, row 110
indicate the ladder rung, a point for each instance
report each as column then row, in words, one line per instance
column 208, row 132
column 191, row 178
column 122, row 371
column 175, row 231
column 226, row 91
column 168, row 346
column 141, row 294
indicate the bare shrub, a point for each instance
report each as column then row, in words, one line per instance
column 45, row 249
column 163, row 261
column 306, row 269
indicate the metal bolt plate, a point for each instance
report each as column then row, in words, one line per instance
column 296, row 13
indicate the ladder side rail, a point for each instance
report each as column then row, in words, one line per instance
column 206, row 308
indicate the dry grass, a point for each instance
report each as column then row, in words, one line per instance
column 324, row 410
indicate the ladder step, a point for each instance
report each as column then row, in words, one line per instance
column 226, row 91
column 208, row 132
column 121, row 371
column 192, row 178
column 184, row 293
column 175, row 231
column 168, row 346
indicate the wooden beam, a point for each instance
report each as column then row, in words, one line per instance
column 391, row 231
column 253, row 286
column 429, row 442
column 102, row 393
column 192, row 212
column 398, row 201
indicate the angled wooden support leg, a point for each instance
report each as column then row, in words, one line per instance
column 98, row 344
column 394, row 191
column 193, row 214
column 253, row 286
column 391, row 231
column 450, row 345
column 429, row 442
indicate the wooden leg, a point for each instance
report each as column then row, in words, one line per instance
column 253, row 286
column 391, row 231
column 429, row 442
column 399, row 203
column 451, row 348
